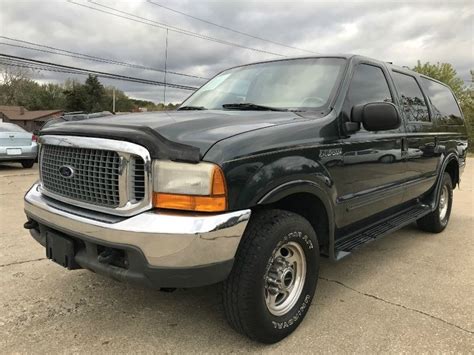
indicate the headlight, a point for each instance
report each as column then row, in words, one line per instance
column 192, row 187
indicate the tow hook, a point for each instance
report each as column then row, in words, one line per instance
column 167, row 289
column 108, row 256
column 31, row 224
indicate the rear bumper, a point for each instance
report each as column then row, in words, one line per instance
column 27, row 152
column 162, row 249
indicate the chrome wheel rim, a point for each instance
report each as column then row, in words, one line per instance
column 443, row 203
column 285, row 278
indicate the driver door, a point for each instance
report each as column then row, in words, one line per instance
column 373, row 165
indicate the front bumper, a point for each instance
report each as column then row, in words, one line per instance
column 162, row 249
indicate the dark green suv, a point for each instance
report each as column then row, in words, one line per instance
column 260, row 172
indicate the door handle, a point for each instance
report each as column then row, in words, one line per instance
column 404, row 145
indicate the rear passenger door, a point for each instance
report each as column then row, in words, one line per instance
column 420, row 148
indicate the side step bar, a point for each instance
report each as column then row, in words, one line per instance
column 346, row 245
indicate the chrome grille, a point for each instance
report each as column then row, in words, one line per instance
column 137, row 177
column 95, row 179
column 109, row 176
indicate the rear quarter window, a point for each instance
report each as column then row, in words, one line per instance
column 444, row 106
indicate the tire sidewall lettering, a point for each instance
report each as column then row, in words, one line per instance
column 303, row 307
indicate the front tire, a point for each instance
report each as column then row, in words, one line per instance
column 436, row 221
column 274, row 277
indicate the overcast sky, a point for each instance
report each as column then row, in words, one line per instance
column 396, row 31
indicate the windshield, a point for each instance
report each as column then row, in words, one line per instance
column 297, row 84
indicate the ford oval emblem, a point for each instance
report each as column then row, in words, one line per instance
column 66, row 171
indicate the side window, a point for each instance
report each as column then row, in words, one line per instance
column 411, row 98
column 445, row 107
column 368, row 85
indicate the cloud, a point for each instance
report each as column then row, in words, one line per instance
column 401, row 32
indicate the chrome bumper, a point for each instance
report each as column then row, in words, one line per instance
column 166, row 239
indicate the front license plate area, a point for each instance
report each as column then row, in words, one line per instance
column 13, row 151
column 61, row 250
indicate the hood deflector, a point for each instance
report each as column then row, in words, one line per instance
column 158, row 146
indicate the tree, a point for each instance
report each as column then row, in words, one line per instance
column 443, row 72
column 75, row 96
column 95, row 94
column 122, row 102
column 51, row 97
column 17, row 88
column 446, row 73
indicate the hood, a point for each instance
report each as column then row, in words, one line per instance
column 199, row 129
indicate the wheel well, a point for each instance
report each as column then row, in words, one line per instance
column 453, row 170
column 311, row 208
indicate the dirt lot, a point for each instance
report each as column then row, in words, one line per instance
column 410, row 291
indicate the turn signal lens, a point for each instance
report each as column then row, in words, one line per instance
column 190, row 203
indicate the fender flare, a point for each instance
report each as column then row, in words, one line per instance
column 450, row 157
column 305, row 186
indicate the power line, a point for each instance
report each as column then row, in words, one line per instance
column 160, row 25
column 40, row 68
column 229, row 28
column 39, row 65
column 105, row 75
column 72, row 54
column 42, row 65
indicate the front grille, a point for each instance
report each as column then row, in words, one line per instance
column 137, row 167
column 95, row 178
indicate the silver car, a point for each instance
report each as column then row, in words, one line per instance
column 17, row 145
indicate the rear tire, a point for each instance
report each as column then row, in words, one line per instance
column 274, row 276
column 27, row 164
column 436, row 221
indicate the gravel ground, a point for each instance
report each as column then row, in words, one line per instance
column 409, row 292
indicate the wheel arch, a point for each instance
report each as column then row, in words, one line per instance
column 310, row 201
column 450, row 165
column 452, row 168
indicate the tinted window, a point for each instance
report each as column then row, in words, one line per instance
column 411, row 98
column 10, row 127
column 368, row 85
column 442, row 101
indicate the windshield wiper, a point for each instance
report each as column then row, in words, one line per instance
column 191, row 108
column 251, row 107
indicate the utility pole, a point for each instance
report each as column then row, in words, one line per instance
column 113, row 101
column 166, row 61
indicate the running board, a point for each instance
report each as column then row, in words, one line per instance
column 355, row 240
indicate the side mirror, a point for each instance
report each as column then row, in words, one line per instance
column 376, row 116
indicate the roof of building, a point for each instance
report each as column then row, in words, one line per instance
column 19, row 113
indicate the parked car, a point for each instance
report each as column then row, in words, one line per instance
column 17, row 145
column 258, row 174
